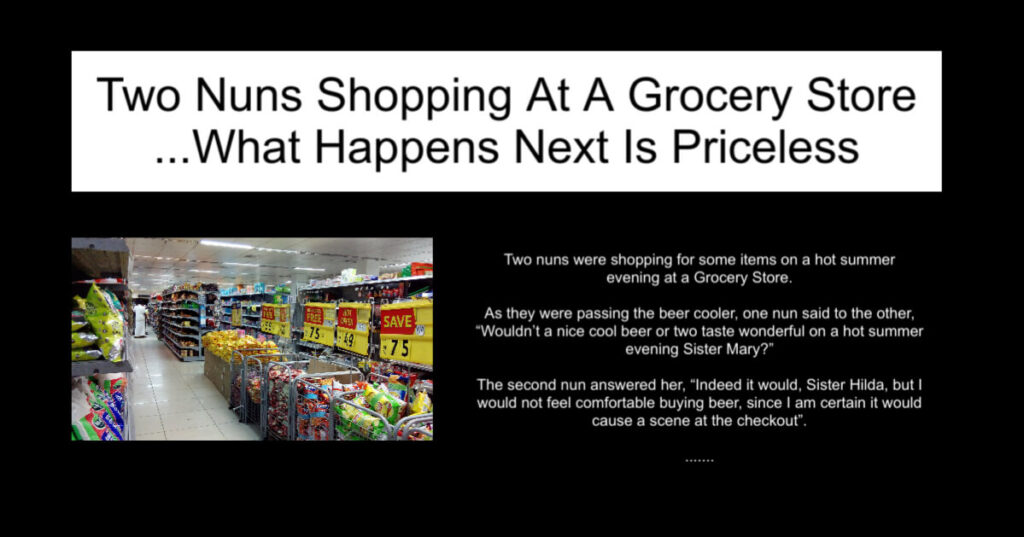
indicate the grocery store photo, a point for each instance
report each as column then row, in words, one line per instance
column 264, row 339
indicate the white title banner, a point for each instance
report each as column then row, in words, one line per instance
column 506, row 121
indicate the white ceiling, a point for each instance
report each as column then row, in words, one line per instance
column 182, row 256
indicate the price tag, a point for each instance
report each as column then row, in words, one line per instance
column 268, row 326
column 396, row 349
column 323, row 335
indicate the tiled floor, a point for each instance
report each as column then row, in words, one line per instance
column 173, row 400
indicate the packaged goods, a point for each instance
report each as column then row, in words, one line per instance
column 384, row 403
column 77, row 325
column 398, row 385
column 356, row 424
column 83, row 339
column 100, row 300
column 92, row 418
column 79, row 355
column 420, row 405
column 109, row 328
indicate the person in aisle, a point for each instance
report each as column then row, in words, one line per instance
column 140, row 319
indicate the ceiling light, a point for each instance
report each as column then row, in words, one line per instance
column 242, row 264
column 205, row 242
column 204, row 271
column 277, row 250
column 308, row 268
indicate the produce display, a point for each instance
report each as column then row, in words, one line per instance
column 224, row 343
column 98, row 408
column 97, row 326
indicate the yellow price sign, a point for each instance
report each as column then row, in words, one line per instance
column 323, row 335
column 268, row 326
column 396, row 349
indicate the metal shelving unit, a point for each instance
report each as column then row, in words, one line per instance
column 170, row 325
column 94, row 258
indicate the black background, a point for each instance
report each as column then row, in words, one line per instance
column 548, row 452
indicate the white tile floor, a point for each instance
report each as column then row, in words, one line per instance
column 173, row 400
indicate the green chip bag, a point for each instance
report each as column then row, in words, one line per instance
column 83, row 339
column 78, row 325
column 99, row 300
column 86, row 354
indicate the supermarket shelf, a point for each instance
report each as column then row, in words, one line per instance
column 228, row 297
column 189, row 336
column 368, row 282
column 183, row 359
column 409, row 365
column 91, row 367
column 312, row 345
column 180, row 326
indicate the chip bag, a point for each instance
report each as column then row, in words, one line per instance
column 83, row 339
column 110, row 329
column 85, row 354
column 420, row 405
column 78, row 325
column 100, row 300
column 384, row 403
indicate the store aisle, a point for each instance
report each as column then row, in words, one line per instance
column 173, row 400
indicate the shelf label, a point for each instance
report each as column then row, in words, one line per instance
column 395, row 349
column 315, row 333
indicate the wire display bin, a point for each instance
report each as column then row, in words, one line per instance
column 279, row 408
column 417, row 427
column 350, row 421
column 313, row 394
column 235, row 372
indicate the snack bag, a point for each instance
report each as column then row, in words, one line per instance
column 113, row 300
column 110, row 329
column 81, row 305
column 85, row 354
column 420, row 405
column 89, row 420
column 384, row 404
column 79, row 324
column 83, row 339
column 398, row 385
column 99, row 300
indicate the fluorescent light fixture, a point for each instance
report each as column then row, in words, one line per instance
column 204, row 271
column 242, row 264
column 205, row 242
column 278, row 251
column 309, row 268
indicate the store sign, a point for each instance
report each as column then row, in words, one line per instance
column 319, row 323
column 401, row 321
column 347, row 318
column 274, row 320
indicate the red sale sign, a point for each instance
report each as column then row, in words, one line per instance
column 347, row 318
column 268, row 313
column 314, row 315
column 401, row 321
